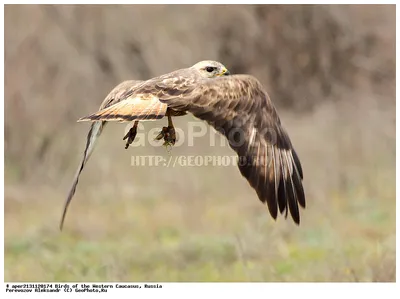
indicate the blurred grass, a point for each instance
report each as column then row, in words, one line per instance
column 128, row 241
column 206, row 224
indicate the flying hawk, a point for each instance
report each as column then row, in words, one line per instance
column 235, row 105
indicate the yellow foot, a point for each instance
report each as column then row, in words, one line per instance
column 169, row 136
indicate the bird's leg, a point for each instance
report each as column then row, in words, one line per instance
column 170, row 137
column 131, row 134
column 168, row 133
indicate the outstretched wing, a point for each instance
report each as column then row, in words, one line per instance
column 115, row 96
column 143, row 101
column 239, row 107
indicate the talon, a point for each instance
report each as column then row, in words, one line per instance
column 171, row 135
column 127, row 135
column 168, row 133
column 168, row 146
column 130, row 135
column 162, row 134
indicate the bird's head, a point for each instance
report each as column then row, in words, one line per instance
column 211, row 69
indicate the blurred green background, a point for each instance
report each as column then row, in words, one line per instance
column 330, row 70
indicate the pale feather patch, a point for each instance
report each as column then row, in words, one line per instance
column 276, row 171
column 283, row 181
column 140, row 107
column 252, row 136
column 292, row 200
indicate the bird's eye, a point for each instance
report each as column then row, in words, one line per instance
column 210, row 69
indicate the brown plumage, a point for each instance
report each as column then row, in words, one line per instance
column 238, row 107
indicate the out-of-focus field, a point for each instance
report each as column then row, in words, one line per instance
column 137, row 223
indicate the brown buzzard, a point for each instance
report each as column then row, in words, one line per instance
column 235, row 105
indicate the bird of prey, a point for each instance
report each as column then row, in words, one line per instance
column 237, row 106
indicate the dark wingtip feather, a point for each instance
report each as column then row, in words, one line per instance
column 297, row 163
column 269, row 198
column 279, row 186
column 291, row 190
column 292, row 201
column 299, row 189
column 281, row 198
column 297, row 179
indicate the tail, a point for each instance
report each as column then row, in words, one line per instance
column 95, row 131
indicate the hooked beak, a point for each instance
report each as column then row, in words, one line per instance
column 225, row 72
